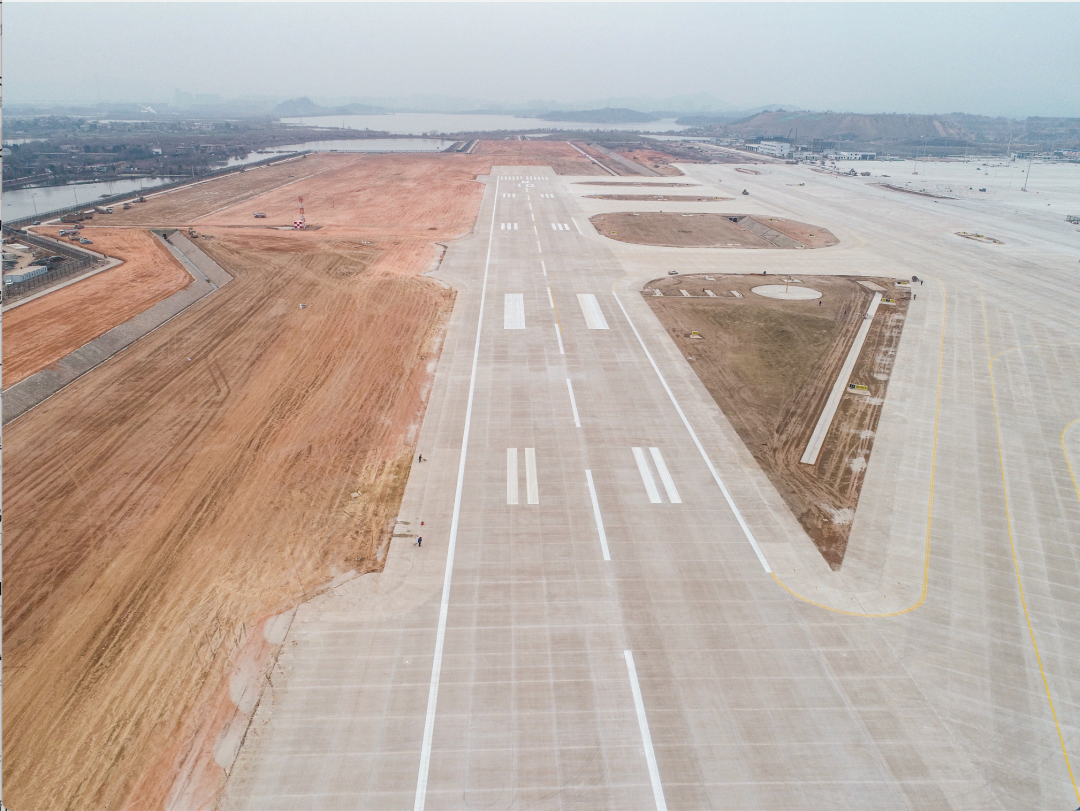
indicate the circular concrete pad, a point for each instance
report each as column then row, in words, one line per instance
column 789, row 292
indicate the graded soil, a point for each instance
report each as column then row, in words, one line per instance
column 163, row 506
column 659, row 162
column 559, row 155
column 42, row 331
column 770, row 366
column 676, row 230
column 660, row 198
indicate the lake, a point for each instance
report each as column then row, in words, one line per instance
column 21, row 202
column 425, row 123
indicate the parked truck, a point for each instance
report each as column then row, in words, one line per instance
column 77, row 216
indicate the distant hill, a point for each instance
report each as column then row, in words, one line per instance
column 840, row 126
column 297, row 108
column 609, row 115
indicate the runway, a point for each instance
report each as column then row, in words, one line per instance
column 612, row 606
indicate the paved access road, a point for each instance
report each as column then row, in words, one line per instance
column 612, row 608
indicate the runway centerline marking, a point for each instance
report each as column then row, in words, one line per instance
column 597, row 517
column 532, row 490
column 665, row 476
column 573, row 403
column 646, row 476
column 701, row 449
column 551, row 300
column 646, row 738
column 543, row 267
column 455, row 521
column 511, row 476
column 514, row 311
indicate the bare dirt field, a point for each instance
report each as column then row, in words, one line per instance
column 174, row 207
column 770, row 365
column 654, row 159
column 160, row 509
column 710, row 230
column 44, row 330
column 660, row 198
column 559, row 155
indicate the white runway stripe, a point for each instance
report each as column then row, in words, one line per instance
column 551, row 300
column 451, row 546
column 590, row 308
column 646, row 738
column 646, row 476
column 573, row 402
column 665, row 476
column 596, row 515
column 532, row 490
column 514, row 311
column 511, row 476
column 578, row 227
column 543, row 267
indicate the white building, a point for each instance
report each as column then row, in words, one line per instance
column 777, row 148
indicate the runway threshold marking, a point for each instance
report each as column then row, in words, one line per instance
column 646, row 738
column 511, row 476
column 708, row 462
column 532, row 490
column 646, row 476
column 596, row 516
column 1012, row 543
column 451, row 546
column 665, row 476
column 573, row 403
column 590, row 308
column 514, row 311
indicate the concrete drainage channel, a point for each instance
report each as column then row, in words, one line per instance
column 207, row 276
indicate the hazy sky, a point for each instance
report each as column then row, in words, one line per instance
column 994, row 58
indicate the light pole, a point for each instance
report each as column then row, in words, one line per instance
column 33, row 198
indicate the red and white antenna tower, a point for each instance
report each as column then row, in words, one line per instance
column 301, row 223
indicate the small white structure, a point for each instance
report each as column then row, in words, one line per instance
column 776, row 148
column 790, row 292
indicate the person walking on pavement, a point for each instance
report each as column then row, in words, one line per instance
column 420, row 541
column 420, row 458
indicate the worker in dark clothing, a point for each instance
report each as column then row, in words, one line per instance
column 420, row 541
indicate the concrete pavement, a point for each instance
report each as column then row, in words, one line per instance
column 534, row 672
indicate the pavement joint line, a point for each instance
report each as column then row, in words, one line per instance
column 990, row 359
column 929, row 509
column 708, row 462
column 444, row 605
column 577, row 420
column 646, row 738
column 596, row 515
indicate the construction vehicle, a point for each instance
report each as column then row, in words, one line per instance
column 77, row 216
column 102, row 210
column 260, row 216
column 140, row 199
column 127, row 206
column 191, row 234
column 66, row 232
